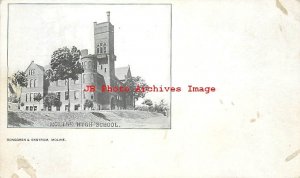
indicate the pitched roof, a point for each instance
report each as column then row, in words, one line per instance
column 32, row 62
column 46, row 67
column 121, row 72
column 41, row 67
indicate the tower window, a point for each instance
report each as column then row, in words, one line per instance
column 98, row 48
column 101, row 48
column 104, row 47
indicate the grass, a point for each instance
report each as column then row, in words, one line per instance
column 123, row 118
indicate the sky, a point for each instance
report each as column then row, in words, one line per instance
column 142, row 36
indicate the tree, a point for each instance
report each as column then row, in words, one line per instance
column 38, row 97
column 65, row 65
column 133, row 83
column 13, row 99
column 88, row 104
column 162, row 107
column 149, row 103
column 19, row 79
column 51, row 100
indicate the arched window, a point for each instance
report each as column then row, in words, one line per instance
column 34, row 83
column 31, row 83
column 89, row 65
column 101, row 48
column 98, row 48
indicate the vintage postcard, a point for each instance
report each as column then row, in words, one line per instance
column 141, row 89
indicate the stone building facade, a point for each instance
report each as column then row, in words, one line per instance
column 99, row 70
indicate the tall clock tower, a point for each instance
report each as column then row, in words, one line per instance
column 104, row 49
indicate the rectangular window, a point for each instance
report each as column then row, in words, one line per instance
column 57, row 108
column 49, row 108
column 31, row 108
column 58, row 95
column 76, row 107
column 101, row 67
column 66, row 95
column 66, row 107
column 104, row 69
column 92, row 96
column 76, row 95
column 31, row 96
column 35, row 108
column 26, row 97
column 27, row 108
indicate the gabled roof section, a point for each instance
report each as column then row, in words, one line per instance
column 41, row 67
column 123, row 72
column 32, row 63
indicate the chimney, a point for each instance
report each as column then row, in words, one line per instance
column 84, row 52
column 108, row 16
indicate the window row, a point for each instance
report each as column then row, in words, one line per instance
column 31, row 72
column 32, row 83
column 31, row 108
column 88, row 96
column 89, row 65
column 30, row 97
column 66, row 107
column 101, row 48
column 64, row 83
column 76, row 95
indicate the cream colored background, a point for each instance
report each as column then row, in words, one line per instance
column 248, row 50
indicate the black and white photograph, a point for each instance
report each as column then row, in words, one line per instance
column 150, row 89
column 89, row 66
